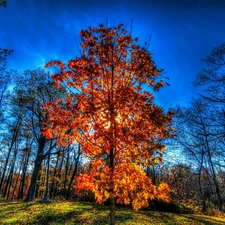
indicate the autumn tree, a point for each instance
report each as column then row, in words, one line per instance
column 110, row 112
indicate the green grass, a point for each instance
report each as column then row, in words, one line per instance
column 66, row 212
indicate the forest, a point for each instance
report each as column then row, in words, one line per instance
column 91, row 130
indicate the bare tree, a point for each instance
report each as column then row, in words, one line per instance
column 34, row 88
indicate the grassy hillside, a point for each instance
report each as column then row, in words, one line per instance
column 65, row 212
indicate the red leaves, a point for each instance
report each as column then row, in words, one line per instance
column 43, row 104
column 84, row 182
column 163, row 192
column 57, row 63
column 48, row 64
column 57, row 85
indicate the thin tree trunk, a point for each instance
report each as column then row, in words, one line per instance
column 20, row 176
column 66, row 171
column 59, row 175
column 15, row 134
column 200, row 185
column 74, row 173
column 216, row 183
column 47, row 174
column 24, row 170
column 9, row 180
column 53, row 181
column 6, row 185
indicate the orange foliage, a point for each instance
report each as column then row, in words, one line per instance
column 131, row 185
column 108, row 113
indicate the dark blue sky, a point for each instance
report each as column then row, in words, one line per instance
column 182, row 33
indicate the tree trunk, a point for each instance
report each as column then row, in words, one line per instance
column 66, row 170
column 36, row 194
column 111, row 195
column 47, row 175
column 112, row 210
column 37, row 168
column 15, row 134
column 53, row 180
column 24, row 170
column 74, row 173
column 9, row 180
column 14, row 189
column 56, row 192
column 215, row 181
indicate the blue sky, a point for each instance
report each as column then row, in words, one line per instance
column 182, row 33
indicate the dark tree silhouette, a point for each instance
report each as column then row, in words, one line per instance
column 3, row 3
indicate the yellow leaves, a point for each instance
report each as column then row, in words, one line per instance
column 106, row 194
column 157, row 159
column 163, row 149
column 123, row 181
column 131, row 185
column 163, row 192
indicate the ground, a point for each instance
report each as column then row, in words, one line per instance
column 68, row 212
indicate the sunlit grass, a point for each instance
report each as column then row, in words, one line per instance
column 66, row 212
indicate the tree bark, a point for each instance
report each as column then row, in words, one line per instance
column 112, row 210
column 214, row 176
column 111, row 195
column 15, row 134
column 53, row 181
column 48, row 171
column 37, row 168
column 24, row 170
column 74, row 173
column 9, row 179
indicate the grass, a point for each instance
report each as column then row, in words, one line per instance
column 67, row 212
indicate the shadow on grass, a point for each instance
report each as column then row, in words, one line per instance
column 8, row 208
column 56, row 218
column 169, row 218
column 75, row 213
column 42, row 213
column 84, row 213
column 204, row 220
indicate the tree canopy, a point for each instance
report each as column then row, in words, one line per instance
column 111, row 113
